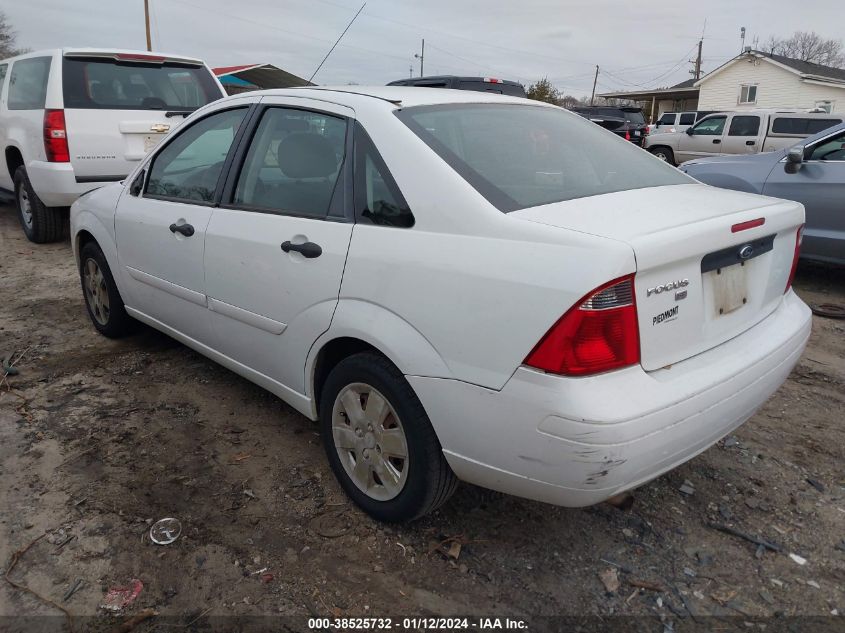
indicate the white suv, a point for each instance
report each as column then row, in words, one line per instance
column 72, row 120
column 456, row 284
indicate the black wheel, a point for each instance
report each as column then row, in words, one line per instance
column 102, row 299
column 664, row 154
column 379, row 441
column 40, row 223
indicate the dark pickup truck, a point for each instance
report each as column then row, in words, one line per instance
column 479, row 84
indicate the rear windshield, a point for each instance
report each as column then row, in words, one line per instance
column 520, row 156
column 631, row 116
column 114, row 85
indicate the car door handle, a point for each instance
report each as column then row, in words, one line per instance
column 716, row 141
column 307, row 249
column 749, row 142
column 185, row 229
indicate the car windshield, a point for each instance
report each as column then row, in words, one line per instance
column 91, row 83
column 520, row 156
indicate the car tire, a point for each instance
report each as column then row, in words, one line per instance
column 102, row 298
column 664, row 154
column 40, row 223
column 365, row 447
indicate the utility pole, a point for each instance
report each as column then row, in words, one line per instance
column 147, row 23
column 595, row 81
column 696, row 72
column 421, row 57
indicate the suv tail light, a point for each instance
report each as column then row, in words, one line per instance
column 799, row 236
column 55, row 137
column 627, row 135
column 597, row 334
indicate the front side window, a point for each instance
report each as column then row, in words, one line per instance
column 831, row 149
column 293, row 162
column 28, row 83
column 744, row 126
column 189, row 167
column 714, row 126
column 748, row 93
column 377, row 197
column 688, row 118
column 124, row 85
column 520, row 156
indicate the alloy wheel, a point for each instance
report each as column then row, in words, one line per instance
column 370, row 441
column 96, row 292
column 25, row 206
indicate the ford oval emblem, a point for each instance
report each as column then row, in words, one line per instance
column 746, row 251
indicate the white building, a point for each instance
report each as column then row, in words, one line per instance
column 762, row 80
column 753, row 79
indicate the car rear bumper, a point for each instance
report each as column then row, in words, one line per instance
column 56, row 183
column 579, row 441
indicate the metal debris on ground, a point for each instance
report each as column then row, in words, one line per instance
column 73, row 589
column 8, row 367
column 815, row 483
column 748, row 537
column 829, row 310
column 798, row 559
column 813, row 584
column 610, row 579
column 730, row 441
column 118, row 598
column 165, row 531
column 687, row 488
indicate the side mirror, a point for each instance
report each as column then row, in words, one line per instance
column 689, row 131
column 795, row 155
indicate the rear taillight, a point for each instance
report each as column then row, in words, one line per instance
column 55, row 137
column 597, row 334
column 627, row 135
column 798, row 238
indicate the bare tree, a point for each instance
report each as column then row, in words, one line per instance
column 8, row 38
column 809, row 47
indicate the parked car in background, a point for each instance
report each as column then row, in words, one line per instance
column 478, row 84
column 456, row 285
column 625, row 121
column 811, row 172
column 677, row 121
column 746, row 132
column 75, row 119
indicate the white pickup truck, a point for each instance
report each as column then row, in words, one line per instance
column 746, row 132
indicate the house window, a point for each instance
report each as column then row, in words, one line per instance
column 824, row 106
column 748, row 93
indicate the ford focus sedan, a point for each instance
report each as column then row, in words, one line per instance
column 457, row 286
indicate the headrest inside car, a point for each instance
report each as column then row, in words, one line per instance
column 306, row 155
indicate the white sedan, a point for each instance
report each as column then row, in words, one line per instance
column 457, row 285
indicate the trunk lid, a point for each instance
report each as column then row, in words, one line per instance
column 118, row 106
column 693, row 289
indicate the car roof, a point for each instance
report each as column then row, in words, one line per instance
column 88, row 50
column 404, row 96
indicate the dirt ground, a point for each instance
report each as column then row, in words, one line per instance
column 100, row 438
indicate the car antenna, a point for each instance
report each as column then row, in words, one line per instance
column 336, row 42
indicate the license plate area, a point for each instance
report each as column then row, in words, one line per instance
column 730, row 288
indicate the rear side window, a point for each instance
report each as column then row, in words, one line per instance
column 377, row 197
column 688, row 118
column 802, row 126
column 115, row 85
column 668, row 118
column 744, row 126
column 189, row 167
column 28, row 83
column 520, row 156
column 293, row 163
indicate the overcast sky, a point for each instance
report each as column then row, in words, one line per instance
column 635, row 43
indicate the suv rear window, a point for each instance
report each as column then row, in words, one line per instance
column 28, row 83
column 115, row 85
column 632, row 115
column 520, row 156
column 510, row 90
column 687, row 118
column 802, row 126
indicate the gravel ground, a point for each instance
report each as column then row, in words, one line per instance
column 99, row 438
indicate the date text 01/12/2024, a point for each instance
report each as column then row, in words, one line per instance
column 417, row 624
